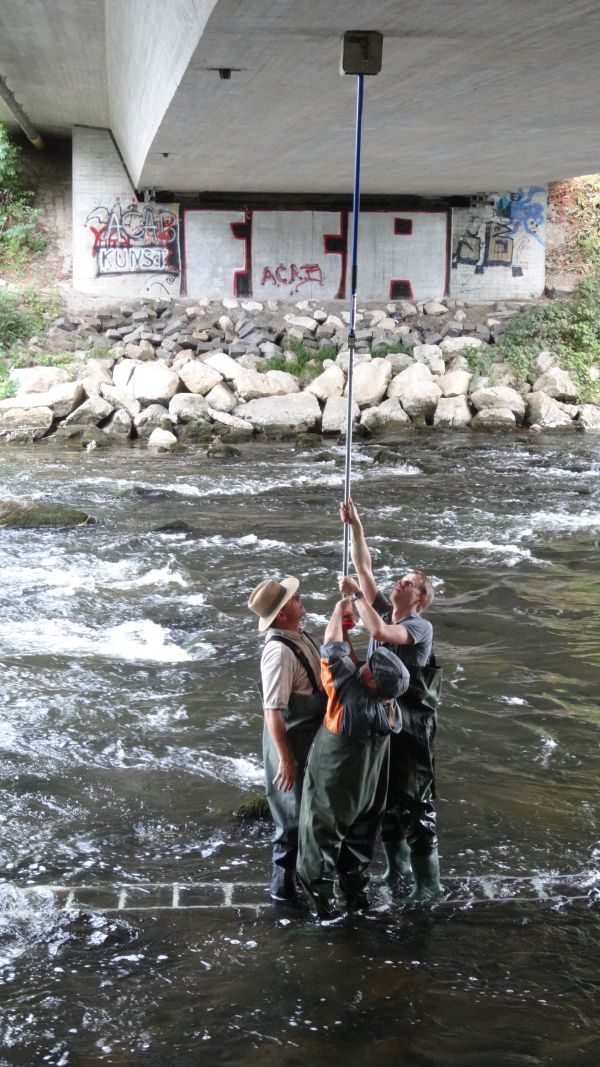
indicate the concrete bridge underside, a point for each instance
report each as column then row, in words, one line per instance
column 471, row 96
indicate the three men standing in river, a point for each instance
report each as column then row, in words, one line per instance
column 294, row 703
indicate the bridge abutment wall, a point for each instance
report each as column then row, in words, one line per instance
column 131, row 244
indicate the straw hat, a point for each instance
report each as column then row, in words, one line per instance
column 268, row 598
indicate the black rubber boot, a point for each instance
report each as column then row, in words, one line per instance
column 398, row 869
column 283, row 889
column 426, row 870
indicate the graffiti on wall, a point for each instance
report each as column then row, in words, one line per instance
column 499, row 233
column 135, row 238
column 286, row 254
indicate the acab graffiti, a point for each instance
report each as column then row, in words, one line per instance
column 498, row 234
column 292, row 276
column 135, row 238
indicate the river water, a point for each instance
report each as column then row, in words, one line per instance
column 130, row 733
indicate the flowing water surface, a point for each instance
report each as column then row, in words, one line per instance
column 130, row 734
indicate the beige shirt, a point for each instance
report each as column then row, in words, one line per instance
column 281, row 671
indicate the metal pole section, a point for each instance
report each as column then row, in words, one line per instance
column 352, row 332
column 29, row 130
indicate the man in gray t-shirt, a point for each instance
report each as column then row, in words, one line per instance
column 409, row 826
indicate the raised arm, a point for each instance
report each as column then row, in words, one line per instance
column 335, row 630
column 361, row 557
column 391, row 634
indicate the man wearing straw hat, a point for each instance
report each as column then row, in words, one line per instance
column 294, row 704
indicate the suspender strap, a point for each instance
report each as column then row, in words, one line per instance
column 299, row 654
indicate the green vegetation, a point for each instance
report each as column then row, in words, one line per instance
column 24, row 313
column 570, row 329
column 20, row 234
column 307, row 362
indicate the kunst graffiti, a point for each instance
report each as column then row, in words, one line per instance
column 135, row 238
column 500, row 232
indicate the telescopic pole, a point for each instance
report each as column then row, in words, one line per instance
column 360, row 80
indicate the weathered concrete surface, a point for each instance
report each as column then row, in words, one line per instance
column 514, row 85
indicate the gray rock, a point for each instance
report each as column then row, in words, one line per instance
column 544, row 411
column 589, row 418
column 24, row 425
column 119, row 425
column 199, row 376
column 188, row 407
column 29, row 514
column 151, row 417
column 330, row 383
column 499, row 418
column 557, row 383
column 454, row 383
column 499, row 396
column 387, row 417
column 298, row 412
column 37, row 379
column 416, row 390
column 335, row 415
column 452, row 412
column 370, row 382
column 90, row 413
column 222, row 398
column 153, row 383
column 161, row 440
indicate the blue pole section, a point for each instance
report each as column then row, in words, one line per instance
column 352, row 331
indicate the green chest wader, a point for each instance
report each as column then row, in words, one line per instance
column 302, row 717
column 410, row 809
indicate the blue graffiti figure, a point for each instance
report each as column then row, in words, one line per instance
column 522, row 212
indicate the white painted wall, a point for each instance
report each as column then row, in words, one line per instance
column 114, row 237
column 124, row 248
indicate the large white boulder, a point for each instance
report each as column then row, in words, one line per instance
column 199, row 377
column 499, row 396
column 250, row 384
column 154, row 383
column 370, row 382
column 121, row 399
column 589, row 418
column 416, row 390
column 298, row 412
column 38, row 379
column 282, row 383
column 385, row 418
column 225, row 421
column 557, row 383
column 93, row 411
column 122, row 373
column 450, row 345
column 161, row 440
column 222, row 398
column 431, row 356
column 455, row 383
column 452, row 412
column 188, row 407
column 330, row 383
column 335, row 415
column 227, row 367
column 21, row 425
column 544, row 411
column 499, row 418
column 62, row 399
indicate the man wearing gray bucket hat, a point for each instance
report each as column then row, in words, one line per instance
column 347, row 771
column 293, row 703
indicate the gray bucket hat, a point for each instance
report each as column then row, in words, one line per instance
column 389, row 672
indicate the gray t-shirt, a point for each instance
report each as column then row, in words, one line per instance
column 420, row 629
